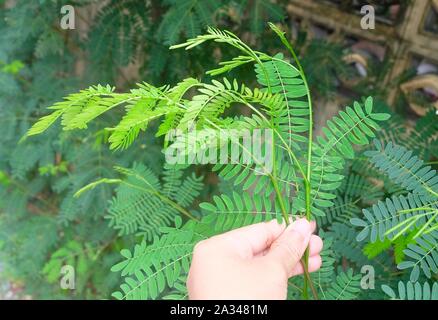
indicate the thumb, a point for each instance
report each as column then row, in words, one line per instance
column 288, row 249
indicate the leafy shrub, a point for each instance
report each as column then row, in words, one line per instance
column 304, row 181
column 43, row 223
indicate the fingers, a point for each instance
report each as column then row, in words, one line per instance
column 313, row 226
column 288, row 249
column 315, row 263
column 253, row 239
column 315, row 245
column 256, row 239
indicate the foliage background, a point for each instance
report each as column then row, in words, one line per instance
column 42, row 226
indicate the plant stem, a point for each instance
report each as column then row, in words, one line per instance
column 280, row 199
column 307, row 177
column 305, row 259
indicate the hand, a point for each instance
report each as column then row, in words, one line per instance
column 252, row 262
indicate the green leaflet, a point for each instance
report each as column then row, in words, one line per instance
column 71, row 108
column 413, row 291
column 384, row 216
column 421, row 256
column 240, row 210
column 401, row 214
column 400, row 218
column 324, row 276
column 137, row 117
column 352, row 127
column 345, row 287
column 188, row 17
column 345, row 245
column 405, row 168
column 143, row 204
column 280, row 77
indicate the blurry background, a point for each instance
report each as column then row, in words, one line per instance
column 42, row 226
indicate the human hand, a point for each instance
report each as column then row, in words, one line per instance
column 253, row 262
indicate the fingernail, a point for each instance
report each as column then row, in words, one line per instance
column 302, row 226
column 274, row 223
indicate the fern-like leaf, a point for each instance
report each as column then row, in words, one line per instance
column 405, row 169
column 413, row 291
column 345, row 287
column 186, row 16
column 73, row 105
column 382, row 219
column 140, row 205
column 354, row 126
column 422, row 255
